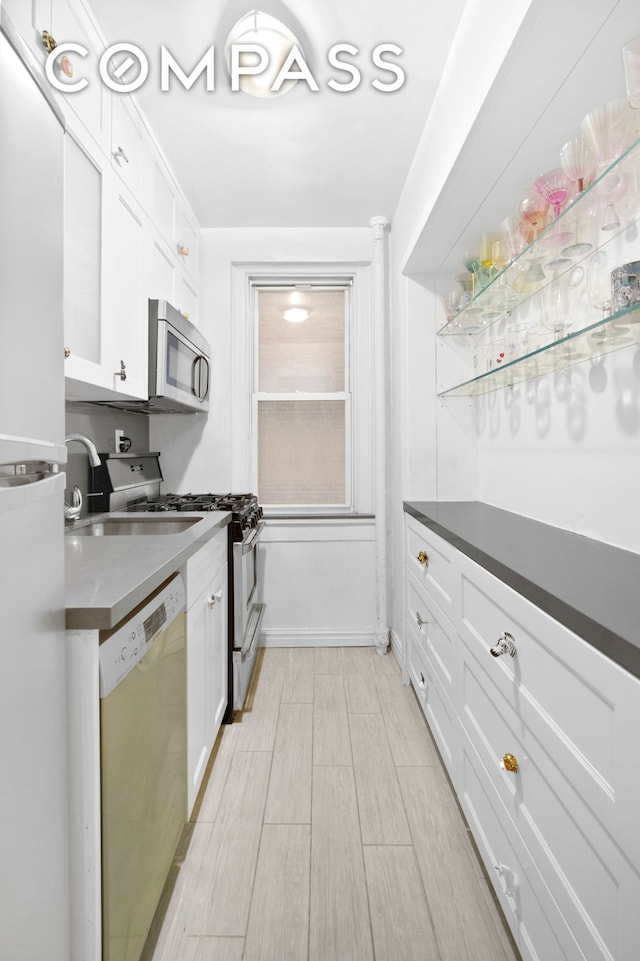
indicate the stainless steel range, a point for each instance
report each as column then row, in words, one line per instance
column 131, row 481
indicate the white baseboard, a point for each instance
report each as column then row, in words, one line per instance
column 302, row 638
column 398, row 649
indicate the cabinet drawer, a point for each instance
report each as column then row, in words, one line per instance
column 582, row 708
column 204, row 565
column 535, row 921
column 434, row 632
column 433, row 563
column 435, row 703
column 569, row 843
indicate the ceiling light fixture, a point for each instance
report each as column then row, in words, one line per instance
column 274, row 38
column 295, row 315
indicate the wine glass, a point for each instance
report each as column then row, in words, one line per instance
column 599, row 283
column 579, row 165
column 578, row 162
column 515, row 233
column 554, row 186
column 533, row 211
column 558, row 301
column 452, row 303
column 607, row 130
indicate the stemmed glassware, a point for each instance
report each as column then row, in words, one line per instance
column 607, row 131
column 555, row 186
column 600, row 296
column 599, row 283
column 579, row 165
column 578, row 162
column 534, row 210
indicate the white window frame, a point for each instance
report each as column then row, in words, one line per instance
column 359, row 449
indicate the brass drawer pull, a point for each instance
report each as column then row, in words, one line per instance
column 509, row 763
column 423, row 557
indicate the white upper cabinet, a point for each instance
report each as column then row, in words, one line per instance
column 160, row 268
column 127, row 142
column 29, row 20
column 82, row 262
column 187, row 236
column 159, row 195
column 124, row 301
column 69, row 23
column 129, row 233
column 186, row 297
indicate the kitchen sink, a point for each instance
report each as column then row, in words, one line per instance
column 127, row 525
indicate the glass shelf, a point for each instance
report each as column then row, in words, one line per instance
column 619, row 330
column 531, row 271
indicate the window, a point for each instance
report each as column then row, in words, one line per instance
column 302, row 403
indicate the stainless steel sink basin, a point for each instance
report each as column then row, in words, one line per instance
column 126, row 525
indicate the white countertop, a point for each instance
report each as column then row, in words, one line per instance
column 106, row 577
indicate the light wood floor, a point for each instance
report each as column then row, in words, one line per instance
column 328, row 830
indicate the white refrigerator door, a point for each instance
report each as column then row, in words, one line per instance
column 34, row 815
column 33, row 724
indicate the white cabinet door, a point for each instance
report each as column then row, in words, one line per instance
column 29, row 20
column 159, row 196
column 207, row 652
column 186, row 297
column 160, row 268
column 216, row 652
column 187, row 241
column 83, row 189
column 197, row 746
column 70, row 23
column 124, row 302
column 127, row 142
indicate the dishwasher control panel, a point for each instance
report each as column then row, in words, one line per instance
column 126, row 647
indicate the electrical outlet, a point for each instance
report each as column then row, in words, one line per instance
column 119, row 434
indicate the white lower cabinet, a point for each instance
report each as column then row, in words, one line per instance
column 207, row 649
column 541, row 748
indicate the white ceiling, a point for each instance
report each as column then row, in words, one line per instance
column 303, row 159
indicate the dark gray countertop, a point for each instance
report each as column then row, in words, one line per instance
column 106, row 577
column 590, row 587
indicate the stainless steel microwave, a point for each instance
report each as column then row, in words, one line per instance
column 179, row 361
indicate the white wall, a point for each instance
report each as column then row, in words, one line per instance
column 319, row 578
column 564, row 450
column 432, row 451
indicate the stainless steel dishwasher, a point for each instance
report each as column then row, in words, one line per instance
column 143, row 765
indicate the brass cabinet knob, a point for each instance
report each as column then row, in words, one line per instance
column 183, row 250
column 423, row 557
column 48, row 42
column 67, row 352
column 509, row 763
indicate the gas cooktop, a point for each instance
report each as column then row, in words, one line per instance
column 245, row 509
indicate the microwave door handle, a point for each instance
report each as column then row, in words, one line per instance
column 204, row 368
column 200, row 363
column 195, row 376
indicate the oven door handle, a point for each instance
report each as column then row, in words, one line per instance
column 249, row 644
column 250, row 542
